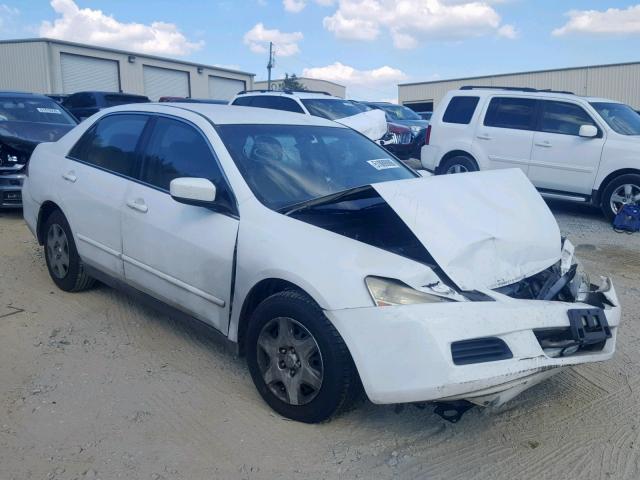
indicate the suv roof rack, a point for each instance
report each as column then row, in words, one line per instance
column 515, row 89
column 289, row 92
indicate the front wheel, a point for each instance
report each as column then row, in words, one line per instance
column 623, row 190
column 297, row 359
column 458, row 164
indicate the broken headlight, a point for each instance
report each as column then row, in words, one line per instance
column 387, row 292
column 580, row 286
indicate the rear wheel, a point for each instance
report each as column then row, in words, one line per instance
column 623, row 190
column 298, row 361
column 63, row 262
column 458, row 164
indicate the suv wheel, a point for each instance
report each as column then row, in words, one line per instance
column 64, row 264
column 458, row 164
column 623, row 190
column 298, row 361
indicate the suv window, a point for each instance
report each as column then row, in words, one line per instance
column 333, row 108
column 515, row 113
column 460, row 110
column 275, row 103
column 79, row 100
column 562, row 117
column 243, row 101
column 111, row 143
column 176, row 149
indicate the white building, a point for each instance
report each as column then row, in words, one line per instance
column 44, row 65
column 617, row 81
column 314, row 84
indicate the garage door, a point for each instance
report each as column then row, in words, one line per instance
column 221, row 88
column 164, row 82
column 88, row 73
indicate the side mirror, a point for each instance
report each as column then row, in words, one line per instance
column 193, row 191
column 588, row 131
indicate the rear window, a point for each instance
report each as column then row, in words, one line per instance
column 332, row 108
column 514, row 113
column 33, row 110
column 460, row 110
column 115, row 100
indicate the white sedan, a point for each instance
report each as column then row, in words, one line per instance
column 325, row 261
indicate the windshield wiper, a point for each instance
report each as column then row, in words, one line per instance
column 325, row 200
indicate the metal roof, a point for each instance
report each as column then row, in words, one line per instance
column 518, row 73
column 123, row 52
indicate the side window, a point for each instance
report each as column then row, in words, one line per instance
column 276, row 103
column 243, row 101
column 515, row 113
column 176, row 149
column 111, row 143
column 460, row 110
column 562, row 117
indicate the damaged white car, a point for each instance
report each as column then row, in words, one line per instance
column 328, row 264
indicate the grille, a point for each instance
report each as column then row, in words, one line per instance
column 479, row 350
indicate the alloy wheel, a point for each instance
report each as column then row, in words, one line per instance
column 290, row 361
column 457, row 168
column 58, row 251
column 625, row 194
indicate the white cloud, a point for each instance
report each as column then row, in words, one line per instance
column 346, row 75
column 95, row 27
column 258, row 38
column 294, row 6
column 411, row 21
column 613, row 21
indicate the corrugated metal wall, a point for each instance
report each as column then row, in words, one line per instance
column 35, row 66
column 617, row 82
column 24, row 67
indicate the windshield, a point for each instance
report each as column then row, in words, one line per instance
column 620, row 117
column 398, row 112
column 33, row 110
column 115, row 100
column 333, row 108
column 288, row 164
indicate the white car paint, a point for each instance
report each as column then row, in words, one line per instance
column 183, row 255
column 559, row 163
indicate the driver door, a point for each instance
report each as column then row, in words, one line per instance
column 180, row 254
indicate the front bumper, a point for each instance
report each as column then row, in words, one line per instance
column 403, row 353
column 402, row 151
column 11, row 190
column 429, row 156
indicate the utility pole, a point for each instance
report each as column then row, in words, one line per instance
column 270, row 65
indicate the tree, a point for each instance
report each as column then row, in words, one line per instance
column 291, row 82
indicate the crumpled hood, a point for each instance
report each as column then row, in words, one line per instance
column 484, row 229
column 371, row 123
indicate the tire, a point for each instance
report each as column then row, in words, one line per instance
column 615, row 190
column 339, row 382
column 60, row 249
column 458, row 164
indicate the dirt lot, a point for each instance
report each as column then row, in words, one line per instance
column 94, row 385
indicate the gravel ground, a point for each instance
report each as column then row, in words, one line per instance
column 94, row 385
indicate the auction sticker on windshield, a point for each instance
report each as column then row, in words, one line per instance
column 49, row 110
column 383, row 163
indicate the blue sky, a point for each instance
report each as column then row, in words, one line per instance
column 371, row 45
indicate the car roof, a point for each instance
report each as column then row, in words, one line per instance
column 124, row 94
column 478, row 91
column 289, row 93
column 9, row 93
column 229, row 114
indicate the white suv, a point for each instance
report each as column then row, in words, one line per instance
column 328, row 263
column 572, row 148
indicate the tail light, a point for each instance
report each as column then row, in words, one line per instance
column 395, row 128
column 427, row 136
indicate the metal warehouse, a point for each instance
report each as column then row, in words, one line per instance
column 616, row 81
column 315, row 84
column 53, row 66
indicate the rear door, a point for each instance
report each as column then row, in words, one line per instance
column 561, row 159
column 505, row 134
column 180, row 254
column 98, row 170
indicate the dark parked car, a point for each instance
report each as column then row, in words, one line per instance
column 26, row 119
column 402, row 115
column 85, row 104
column 193, row 100
column 425, row 115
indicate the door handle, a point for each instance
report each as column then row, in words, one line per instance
column 484, row 136
column 70, row 176
column 138, row 205
column 545, row 144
